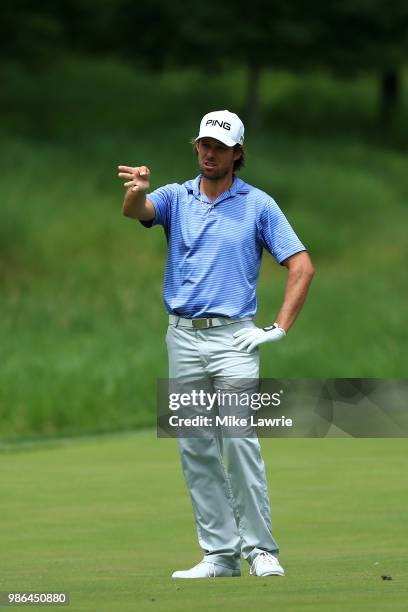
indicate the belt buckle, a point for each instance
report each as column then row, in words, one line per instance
column 202, row 323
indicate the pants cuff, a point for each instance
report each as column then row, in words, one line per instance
column 229, row 562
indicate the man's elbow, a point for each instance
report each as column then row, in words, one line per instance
column 127, row 212
column 301, row 266
column 306, row 266
column 309, row 271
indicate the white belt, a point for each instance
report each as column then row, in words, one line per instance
column 203, row 323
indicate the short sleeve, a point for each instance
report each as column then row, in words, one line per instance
column 162, row 200
column 276, row 234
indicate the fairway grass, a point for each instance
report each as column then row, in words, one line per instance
column 109, row 519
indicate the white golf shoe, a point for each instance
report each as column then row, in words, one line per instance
column 266, row 564
column 207, row 569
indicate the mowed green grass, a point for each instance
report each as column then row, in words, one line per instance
column 109, row 519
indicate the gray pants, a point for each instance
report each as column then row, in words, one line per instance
column 230, row 504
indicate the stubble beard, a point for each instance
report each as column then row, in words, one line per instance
column 222, row 173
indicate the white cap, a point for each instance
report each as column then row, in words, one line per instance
column 223, row 126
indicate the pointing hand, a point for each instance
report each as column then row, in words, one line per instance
column 137, row 178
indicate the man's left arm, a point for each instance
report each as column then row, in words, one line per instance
column 300, row 275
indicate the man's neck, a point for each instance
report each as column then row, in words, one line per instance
column 213, row 189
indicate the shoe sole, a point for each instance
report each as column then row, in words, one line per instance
column 233, row 575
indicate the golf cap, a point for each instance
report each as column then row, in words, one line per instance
column 223, row 126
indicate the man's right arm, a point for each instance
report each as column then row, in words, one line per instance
column 135, row 204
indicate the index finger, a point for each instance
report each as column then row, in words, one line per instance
column 127, row 168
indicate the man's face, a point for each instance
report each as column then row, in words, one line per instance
column 215, row 159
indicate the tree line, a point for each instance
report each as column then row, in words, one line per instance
column 343, row 37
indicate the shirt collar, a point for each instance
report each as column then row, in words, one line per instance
column 238, row 186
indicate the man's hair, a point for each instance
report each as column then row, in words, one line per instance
column 238, row 163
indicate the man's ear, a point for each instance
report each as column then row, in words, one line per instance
column 237, row 153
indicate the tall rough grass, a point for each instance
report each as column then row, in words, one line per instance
column 82, row 322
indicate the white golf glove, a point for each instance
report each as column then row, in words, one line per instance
column 250, row 337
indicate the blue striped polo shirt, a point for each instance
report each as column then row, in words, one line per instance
column 215, row 248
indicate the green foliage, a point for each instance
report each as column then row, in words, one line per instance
column 344, row 35
column 360, row 35
column 24, row 30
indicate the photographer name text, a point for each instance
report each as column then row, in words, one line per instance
column 229, row 421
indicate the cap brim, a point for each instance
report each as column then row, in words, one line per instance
column 211, row 133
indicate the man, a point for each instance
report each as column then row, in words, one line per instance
column 216, row 228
